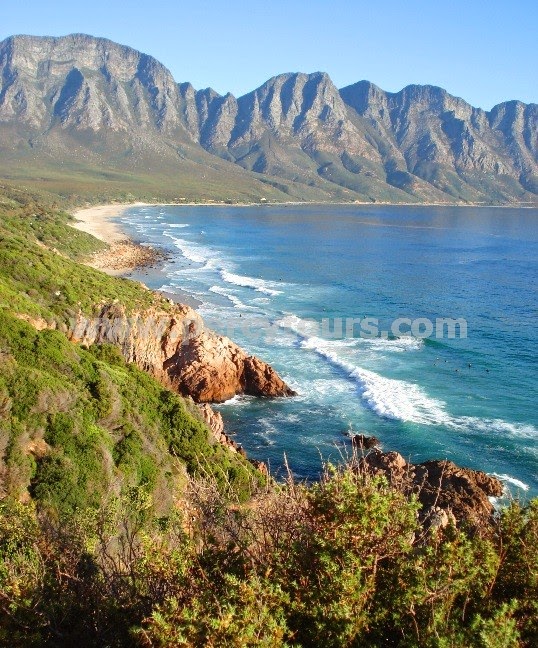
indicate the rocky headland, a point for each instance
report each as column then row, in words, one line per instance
column 175, row 347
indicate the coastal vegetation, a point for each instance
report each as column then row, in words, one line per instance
column 342, row 562
column 123, row 522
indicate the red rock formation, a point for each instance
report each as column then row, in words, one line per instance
column 212, row 369
column 175, row 347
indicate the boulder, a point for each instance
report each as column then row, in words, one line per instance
column 363, row 442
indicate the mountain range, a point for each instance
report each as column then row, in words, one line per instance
column 85, row 112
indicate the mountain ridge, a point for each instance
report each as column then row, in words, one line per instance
column 79, row 99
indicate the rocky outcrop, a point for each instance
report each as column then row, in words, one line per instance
column 215, row 423
column 447, row 492
column 262, row 380
column 211, row 369
column 364, row 442
column 174, row 346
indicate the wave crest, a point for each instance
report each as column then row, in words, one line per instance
column 260, row 285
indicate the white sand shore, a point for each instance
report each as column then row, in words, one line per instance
column 98, row 221
column 122, row 255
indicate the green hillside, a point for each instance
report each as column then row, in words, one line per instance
column 70, row 430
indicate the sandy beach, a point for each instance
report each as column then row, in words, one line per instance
column 97, row 221
column 122, row 255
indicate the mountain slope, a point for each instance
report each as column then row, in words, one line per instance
column 79, row 108
column 463, row 151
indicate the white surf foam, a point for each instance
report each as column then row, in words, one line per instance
column 260, row 285
column 512, row 480
column 268, row 431
column 313, row 327
column 179, row 225
column 212, row 264
column 398, row 399
column 499, row 426
column 225, row 293
column 302, row 327
column 397, row 345
column 239, row 400
column 188, row 250
column 388, row 397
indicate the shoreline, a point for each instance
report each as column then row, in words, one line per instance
column 95, row 219
column 101, row 222
column 123, row 255
column 98, row 222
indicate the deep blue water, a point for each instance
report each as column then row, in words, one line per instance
column 267, row 276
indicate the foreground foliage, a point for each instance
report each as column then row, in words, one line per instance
column 339, row 563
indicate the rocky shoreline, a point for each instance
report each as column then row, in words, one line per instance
column 173, row 345
column 124, row 256
column 448, row 494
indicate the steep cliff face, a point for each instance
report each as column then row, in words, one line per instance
column 89, row 99
column 86, row 83
column 178, row 350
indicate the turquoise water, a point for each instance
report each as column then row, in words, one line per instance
column 268, row 276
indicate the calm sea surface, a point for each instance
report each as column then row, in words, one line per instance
column 279, row 280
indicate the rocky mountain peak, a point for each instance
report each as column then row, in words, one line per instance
column 86, row 82
column 89, row 97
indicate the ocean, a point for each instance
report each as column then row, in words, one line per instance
column 327, row 295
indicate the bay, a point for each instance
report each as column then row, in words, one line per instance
column 279, row 279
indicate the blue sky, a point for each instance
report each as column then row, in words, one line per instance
column 483, row 51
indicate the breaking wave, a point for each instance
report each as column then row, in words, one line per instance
column 260, row 285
